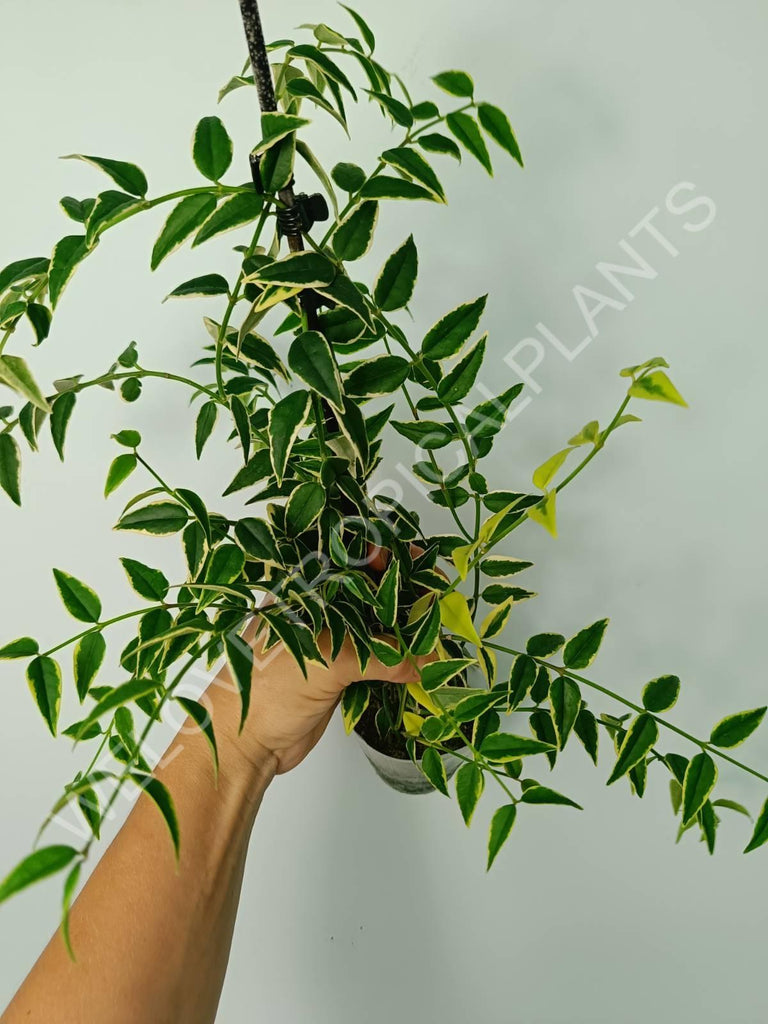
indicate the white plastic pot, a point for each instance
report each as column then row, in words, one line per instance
column 402, row 774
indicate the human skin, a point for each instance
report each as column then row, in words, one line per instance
column 152, row 938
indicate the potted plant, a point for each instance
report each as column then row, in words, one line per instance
column 314, row 371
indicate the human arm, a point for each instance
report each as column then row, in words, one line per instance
column 152, row 941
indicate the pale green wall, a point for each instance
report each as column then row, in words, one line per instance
column 361, row 905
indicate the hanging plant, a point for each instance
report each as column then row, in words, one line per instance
column 313, row 371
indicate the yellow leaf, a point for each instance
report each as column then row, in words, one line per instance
column 420, row 608
column 545, row 472
column 658, row 388
column 587, row 435
column 455, row 616
column 462, row 556
column 412, row 723
column 421, row 696
column 545, row 514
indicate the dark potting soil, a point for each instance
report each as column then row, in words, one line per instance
column 393, row 745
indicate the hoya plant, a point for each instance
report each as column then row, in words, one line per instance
column 314, row 371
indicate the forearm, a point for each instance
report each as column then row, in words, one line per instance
column 141, row 917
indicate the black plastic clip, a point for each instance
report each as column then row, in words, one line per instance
column 303, row 215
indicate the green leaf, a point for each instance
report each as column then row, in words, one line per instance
column 303, row 507
column 501, row 826
column 286, row 420
column 354, row 702
column 543, row 645
column 438, row 673
column 427, row 634
column 10, row 468
column 699, row 781
column 117, row 697
column 22, row 270
column 226, row 565
column 760, row 833
column 496, row 123
column 365, row 31
column 398, row 111
column 349, row 177
column 16, row 374
column 387, row 594
column 109, row 208
column 457, row 384
column 202, row 719
column 212, row 148
column 312, row 55
column 67, row 253
column 500, row 747
column 126, row 176
column 353, row 237
column 658, row 388
column 299, row 270
column 545, row 514
column 385, row 186
column 159, row 519
column 434, row 769
column 208, row 284
column 586, row 729
column 465, row 129
column 161, row 797
column 449, row 334
column 240, row 661
column 88, row 658
column 38, row 865
column 257, row 468
column 80, row 601
column 639, row 738
column 40, row 318
column 581, row 650
column 310, row 357
column 378, row 376
column 206, row 421
column 411, row 163
column 304, row 89
column 661, row 694
column 734, row 729
column 470, row 783
column 521, row 679
column 148, row 583
column 546, row 472
column 343, row 292
column 565, row 698
column 428, row 434
column 397, row 280
column 434, row 142
column 489, row 417
column 732, row 805
column 128, row 438
column 185, row 218
column 456, row 83
column 24, row 647
column 543, row 795
column 275, row 126
column 119, row 471
column 44, row 678
column 256, row 539
column 130, row 390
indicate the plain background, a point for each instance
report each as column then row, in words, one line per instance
column 359, row 903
